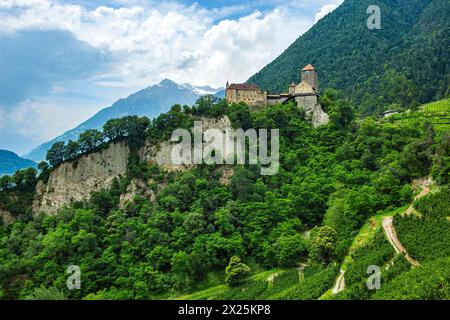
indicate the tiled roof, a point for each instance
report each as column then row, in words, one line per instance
column 244, row 86
column 309, row 67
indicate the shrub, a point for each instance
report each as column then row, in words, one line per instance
column 236, row 271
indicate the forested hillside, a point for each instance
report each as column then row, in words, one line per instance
column 203, row 229
column 10, row 162
column 403, row 64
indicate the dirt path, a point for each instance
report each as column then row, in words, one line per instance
column 301, row 267
column 423, row 193
column 392, row 237
column 389, row 229
column 340, row 283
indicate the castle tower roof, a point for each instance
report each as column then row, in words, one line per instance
column 309, row 67
column 292, row 84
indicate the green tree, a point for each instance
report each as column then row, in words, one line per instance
column 114, row 129
column 236, row 272
column 43, row 166
column 204, row 104
column 289, row 250
column 441, row 161
column 29, row 179
column 43, row 293
column 90, row 140
column 55, row 155
column 72, row 150
column 323, row 244
column 5, row 182
column 135, row 127
column 182, row 269
column 44, row 170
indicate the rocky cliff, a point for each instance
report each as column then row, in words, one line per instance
column 313, row 110
column 6, row 217
column 75, row 180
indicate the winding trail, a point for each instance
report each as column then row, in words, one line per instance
column 340, row 283
column 423, row 193
column 389, row 229
column 391, row 234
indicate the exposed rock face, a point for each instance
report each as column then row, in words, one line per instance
column 74, row 181
column 142, row 190
column 162, row 153
column 227, row 174
column 313, row 110
column 6, row 217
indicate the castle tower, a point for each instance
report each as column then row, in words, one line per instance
column 310, row 76
column 292, row 88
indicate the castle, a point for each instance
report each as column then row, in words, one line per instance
column 305, row 94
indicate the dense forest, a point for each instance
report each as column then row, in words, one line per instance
column 201, row 231
column 402, row 65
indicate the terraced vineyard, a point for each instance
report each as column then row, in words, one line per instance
column 438, row 106
column 264, row 285
column 308, row 282
column 426, row 235
column 438, row 113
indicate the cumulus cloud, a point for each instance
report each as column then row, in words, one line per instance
column 31, row 118
column 59, row 50
column 326, row 9
column 34, row 62
column 172, row 40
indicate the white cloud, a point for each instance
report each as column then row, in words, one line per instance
column 166, row 41
column 146, row 42
column 326, row 9
column 43, row 120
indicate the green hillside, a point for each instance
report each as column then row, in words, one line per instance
column 347, row 194
column 405, row 63
column 424, row 234
column 437, row 113
column 437, row 107
column 331, row 181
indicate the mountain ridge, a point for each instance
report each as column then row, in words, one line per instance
column 10, row 162
column 406, row 62
column 150, row 102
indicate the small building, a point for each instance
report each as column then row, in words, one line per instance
column 389, row 113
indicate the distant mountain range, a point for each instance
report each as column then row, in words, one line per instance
column 406, row 62
column 10, row 162
column 149, row 102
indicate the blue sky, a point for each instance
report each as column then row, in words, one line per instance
column 62, row 61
